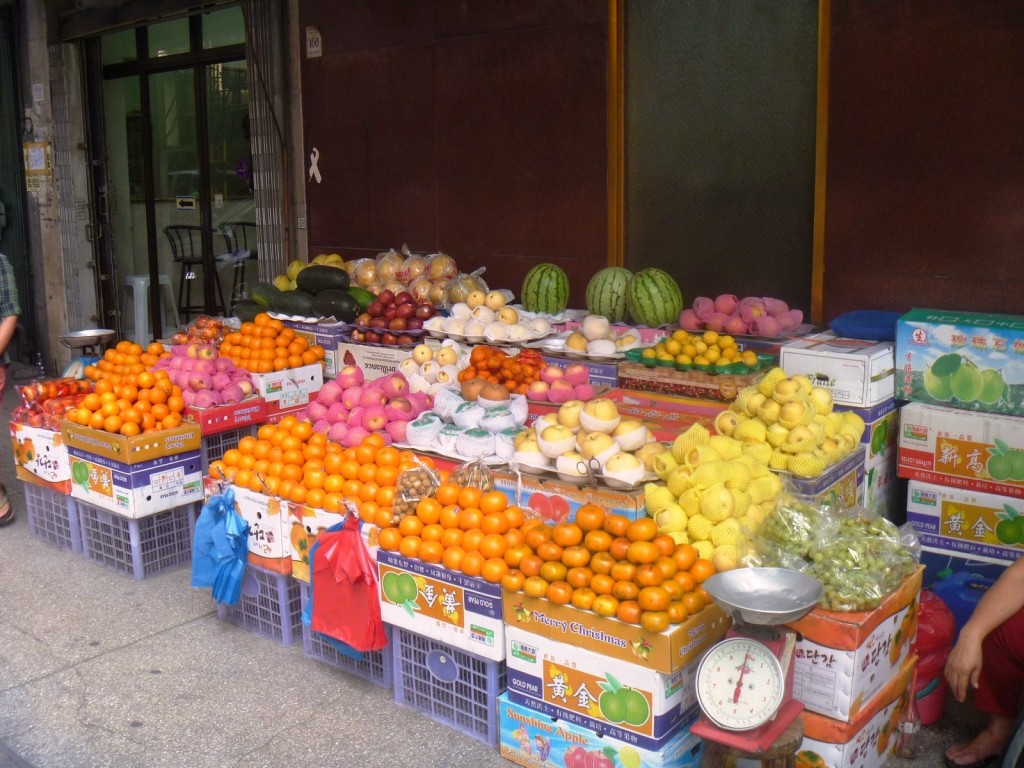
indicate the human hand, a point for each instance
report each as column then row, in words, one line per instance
column 963, row 666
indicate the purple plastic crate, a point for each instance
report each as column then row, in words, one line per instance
column 269, row 606
column 447, row 684
column 375, row 666
column 53, row 517
column 213, row 447
column 138, row 547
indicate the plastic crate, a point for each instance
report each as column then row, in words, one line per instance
column 138, row 547
column 269, row 606
column 449, row 685
column 53, row 517
column 213, row 447
column 375, row 666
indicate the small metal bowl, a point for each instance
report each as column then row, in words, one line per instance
column 766, row 596
column 87, row 338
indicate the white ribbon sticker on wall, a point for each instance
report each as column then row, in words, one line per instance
column 314, row 172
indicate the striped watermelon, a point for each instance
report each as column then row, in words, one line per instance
column 653, row 298
column 545, row 289
column 606, row 293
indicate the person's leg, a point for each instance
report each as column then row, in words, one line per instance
column 998, row 693
column 6, row 510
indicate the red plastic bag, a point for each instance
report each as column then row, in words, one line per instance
column 347, row 604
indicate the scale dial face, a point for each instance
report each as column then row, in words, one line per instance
column 740, row 684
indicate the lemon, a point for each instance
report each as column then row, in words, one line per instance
column 690, row 349
column 666, row 357
column 710, row 337
column 673, row 347
column 649, row 353
column 700, row 346
column 701, row 360
column 681, row 336
column 726, row 341
column 684, row 360
column 712, row 354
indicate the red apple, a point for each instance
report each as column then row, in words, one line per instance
column 372, row 337
column 403, row 298
column 414, row 324
column 386, row 297
column 364, row 319
column 425, row 311
column 388, row 338
column 379, row 323
column 405, row 340
column 391, row 312
column 397, row 324
column 376, row 308
column 405, row 310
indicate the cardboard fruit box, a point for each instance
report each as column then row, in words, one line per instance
column 840, row 483
column 41, row 457
column 557, row 501
column 449, row 606
column 989, row 375
column 329, row 336
column 378, row 361
column 132, row 450
column 625, row 701
column 981, row 526
column 868, row 741
column 139, row 489
column 290, row 387
column 856, row 372
column 536, row 740
column 962, row 449
column 224, row 418
column 696, row 384
column 844, row 659
column 665, row 652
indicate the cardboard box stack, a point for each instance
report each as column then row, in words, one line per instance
column 961, row 439
column 860, row 375
column 852, row 671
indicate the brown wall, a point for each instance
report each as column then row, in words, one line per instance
column 925, row 176
column 478, row 129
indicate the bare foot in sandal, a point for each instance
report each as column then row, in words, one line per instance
column 986, row 746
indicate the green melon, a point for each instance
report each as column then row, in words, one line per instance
column 653, row 298
column 606, row 293
column 545, row 289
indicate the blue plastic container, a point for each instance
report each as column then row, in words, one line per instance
column 449, row 685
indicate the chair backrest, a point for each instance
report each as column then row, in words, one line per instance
column 239, row 236
column 186, row 242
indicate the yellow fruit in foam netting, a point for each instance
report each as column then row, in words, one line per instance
column 711, row 473
column 672, row 518
column 664, row 463
column 726, row 422
column 698, row 527
column 656, row 498
column 689, row 500
column 701, row 454
column 679, row 480
column 760, row 452
column 822, row 400
column 806, row 465
column 740, row 502
column 725, row 557
column 766, row 386
column 717, row 503
column 679, row 537
column 779, row 461
column 750, row 431
column 726, row 532
column 727, row 447
column 739, row 478
column 705, row 549
column 697, row 434
column 776, row 436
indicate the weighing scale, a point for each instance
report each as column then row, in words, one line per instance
column 745, row 682
column 88, row 343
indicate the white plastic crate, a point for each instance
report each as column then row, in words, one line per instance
column 138, row 547
column 213, row 447
column 269, row 605
column 53, row 517
column 375, row 666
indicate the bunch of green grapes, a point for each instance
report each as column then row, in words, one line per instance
column 861, row 563
column 786, row 536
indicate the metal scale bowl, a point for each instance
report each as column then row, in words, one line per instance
column 745, row 682
column 88, row 344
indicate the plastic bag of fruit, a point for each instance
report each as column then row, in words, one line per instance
column 474, row 474
column 204, row 329
column 415, row 483
column 861, row 559
column 788, row 533
column 440, row 266
column 463, row 284
column 388, row 264
column 414, row 266
column 364, row 272
column 41, row 390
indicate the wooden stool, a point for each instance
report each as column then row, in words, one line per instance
column 781, row 754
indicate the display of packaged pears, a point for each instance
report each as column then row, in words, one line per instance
column 858, row 556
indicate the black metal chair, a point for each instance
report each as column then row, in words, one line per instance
column 241, row 238
column 187, row 252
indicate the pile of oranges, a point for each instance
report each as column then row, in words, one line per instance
column 131, row 403
column 514, row 373
column 463, row 528
column 124, row 359
column 292, row 461
column 613, row 566
column 265, row 345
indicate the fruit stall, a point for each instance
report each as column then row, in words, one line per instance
column 552, row 507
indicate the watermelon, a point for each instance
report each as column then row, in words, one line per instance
column 606, row 293
column 653, row 298
column 545, row 289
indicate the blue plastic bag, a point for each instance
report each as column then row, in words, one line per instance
column 220, row 549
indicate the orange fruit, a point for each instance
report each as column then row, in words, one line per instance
column 493, row 570
column 493, row 502
column 597, row 540
column 512, row 580
column 567, row 534
column 530, row 565
column 492, row 545
column 473, row 563
column 653, row 599
column 693, row 602
column 428, row 510
column 644, row 529
column 590, row 517
column 448, row 493
column 469, row 517
column 494, row 522
column 616, row 525
column 410, row 546
column 472, row 539
column 431, row 551
column 410, row 525
column 642, row 552
column 469, row 498
column 685, row 556
column 628, row 611
column 701, row 570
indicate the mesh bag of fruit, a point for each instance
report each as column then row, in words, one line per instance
column 787, row 534
column 474, row 474
column 861, row 559
column 415, row 483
